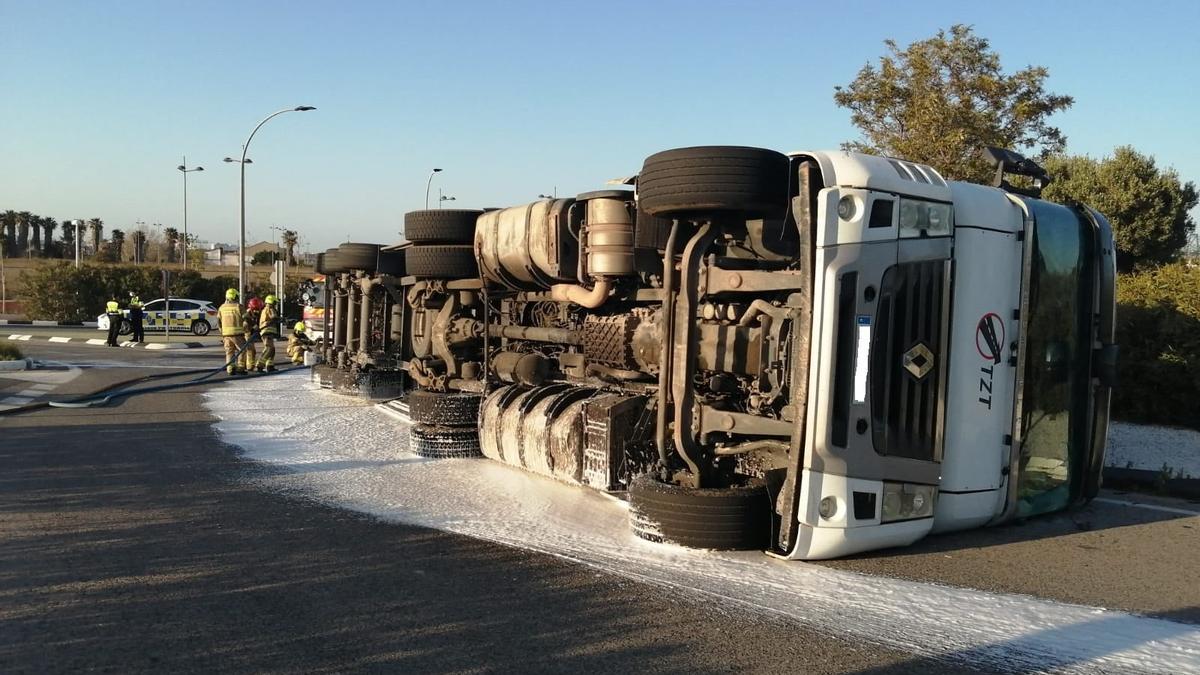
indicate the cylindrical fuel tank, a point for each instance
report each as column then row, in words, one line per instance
column 540, row 429
column 529, row 247
column 609, row 232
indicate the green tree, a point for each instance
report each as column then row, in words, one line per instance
column 940, row 101
column 1147, row 205
column 263, row 258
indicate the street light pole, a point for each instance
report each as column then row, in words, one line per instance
column 78, row 224
column 242, row 219
column 185, row 171
column 427, row 183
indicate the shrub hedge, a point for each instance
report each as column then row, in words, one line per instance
column 1158, row 330
column 58, row 291
column 9, row 352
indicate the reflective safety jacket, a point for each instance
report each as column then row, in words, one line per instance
column 268, row 321
column 297, row 339
column 112, row 308
column 230, row 317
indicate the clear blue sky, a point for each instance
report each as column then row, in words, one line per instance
column 101, row 99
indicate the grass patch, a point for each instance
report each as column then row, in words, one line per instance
column 9, row 352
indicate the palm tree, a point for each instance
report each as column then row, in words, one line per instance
column 115, row 245
column 23, row 221
column 68, row 239
column 35, row 241
column 97, row 227
column 10, row 230
column 48, row 226
column 290, row 239
column 172, row 236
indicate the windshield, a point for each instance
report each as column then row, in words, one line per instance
column 1058, row 348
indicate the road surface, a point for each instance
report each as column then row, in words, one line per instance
column 135, row 540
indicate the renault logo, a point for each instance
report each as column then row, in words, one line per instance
column 918, row 361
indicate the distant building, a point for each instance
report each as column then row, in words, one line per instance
column 226, row 255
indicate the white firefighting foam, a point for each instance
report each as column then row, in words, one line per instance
column 346, row 453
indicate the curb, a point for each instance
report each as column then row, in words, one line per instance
column 16, row 364
column 100, row 342
column 1151, row 481
column 26, row 322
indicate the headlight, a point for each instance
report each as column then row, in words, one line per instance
column 924, row 219
column 906, row 501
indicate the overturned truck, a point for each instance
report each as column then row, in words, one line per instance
column 812, row 354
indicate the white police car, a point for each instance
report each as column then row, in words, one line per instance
column 198, row 317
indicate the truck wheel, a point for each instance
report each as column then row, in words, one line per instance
column 441, row 262
column 438, row 442
column 332, row 263
column 441, row 226
column 733, row 518
column 458, row 409
column 363, row 257
column 714, row 178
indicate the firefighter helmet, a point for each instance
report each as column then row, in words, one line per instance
column 299, row 327
column 271, row 298
column 254, row 304
column 231, row 295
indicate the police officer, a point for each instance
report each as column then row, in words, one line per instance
column 268, row 329
column 113, row 311
column 135, row 317
column 230, row 317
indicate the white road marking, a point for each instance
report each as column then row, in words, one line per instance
column 29, row 393
column 60, row 339
column 345, row 453
column 20, row 337
column 1148, row 507
column 96, row 341
column 15, row 401
column 43, row 387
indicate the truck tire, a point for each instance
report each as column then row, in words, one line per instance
column 441, row 226
column 458, row 409
column 441, row 262
column 714, row 178
column 363, row 257
column 727, row 519
column 438, row 442
column 333, row 262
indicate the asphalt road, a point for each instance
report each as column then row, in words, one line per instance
column 132, row 540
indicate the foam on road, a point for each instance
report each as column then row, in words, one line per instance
column 344, row 452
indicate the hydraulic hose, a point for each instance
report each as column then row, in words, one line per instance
column 118, row 390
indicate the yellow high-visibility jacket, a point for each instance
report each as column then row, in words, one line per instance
column 230, row 317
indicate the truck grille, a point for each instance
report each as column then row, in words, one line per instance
column 907, row 370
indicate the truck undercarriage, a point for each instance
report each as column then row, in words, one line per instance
column 701, row 344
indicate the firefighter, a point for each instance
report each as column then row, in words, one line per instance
column 230, row 318
column 298, row 343
column 135, row 317
column 249, row 328
column 268, row 330
column 113, row 311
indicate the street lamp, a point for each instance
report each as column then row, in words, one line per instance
column 242, row 220
column 443, row 198
column 185, row 171
column 427, row 187
column 78, row 227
